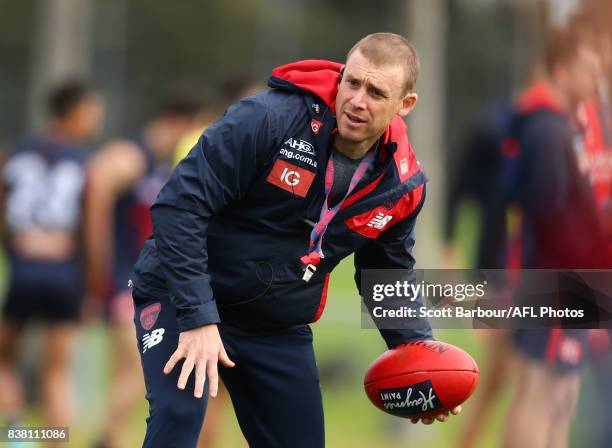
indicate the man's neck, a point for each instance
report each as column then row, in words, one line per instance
column 353, row 150
column 560, row 96
column 155, row 144
column 66, row 132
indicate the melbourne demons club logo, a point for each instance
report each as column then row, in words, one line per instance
column 315, row 125
column 291, row 178
column 148, row 316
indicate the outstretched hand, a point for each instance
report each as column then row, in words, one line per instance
column 202, row 348
column 440, row 417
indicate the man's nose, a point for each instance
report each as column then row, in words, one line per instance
column 358, row 99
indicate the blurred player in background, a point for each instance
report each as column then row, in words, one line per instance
column 477, row 179
column 595, row 159
column 125, row 177
column 43, row 183
column 560, row 230
column 235, row 89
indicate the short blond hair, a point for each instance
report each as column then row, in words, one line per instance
column 390, row 49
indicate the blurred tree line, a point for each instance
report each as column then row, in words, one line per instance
column 137, row 51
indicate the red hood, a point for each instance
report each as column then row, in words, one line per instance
column 313, row 75
column 321, row 77
column 538, row 96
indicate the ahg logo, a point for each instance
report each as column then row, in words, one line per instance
column 291, row 178
column 300, row 145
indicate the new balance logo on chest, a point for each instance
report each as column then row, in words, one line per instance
column 380, row 221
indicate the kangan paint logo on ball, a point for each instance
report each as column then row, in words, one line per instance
column 149, row 315
column 407, row 401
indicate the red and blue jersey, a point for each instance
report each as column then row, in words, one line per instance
column 560, row 227
column 596, row 121
column 132, row 224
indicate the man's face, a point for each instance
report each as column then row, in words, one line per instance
column 87, row 116
column 584, row 73
column 170, row 129
column 368, row 99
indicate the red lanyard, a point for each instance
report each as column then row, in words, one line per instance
column 315, row 253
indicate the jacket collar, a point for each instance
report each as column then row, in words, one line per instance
column 538, row 97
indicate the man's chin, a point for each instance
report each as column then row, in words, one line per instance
column 351, row 136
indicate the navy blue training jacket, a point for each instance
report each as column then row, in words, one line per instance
column 235, row 217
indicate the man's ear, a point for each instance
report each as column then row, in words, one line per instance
column 408, row 103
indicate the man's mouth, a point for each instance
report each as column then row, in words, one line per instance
column 354, row 119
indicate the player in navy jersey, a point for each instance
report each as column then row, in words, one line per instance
column 43, row 182
column 595, row 158
column 560, row 230
column 125, row 177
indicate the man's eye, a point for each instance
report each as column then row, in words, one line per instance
column 353, row 82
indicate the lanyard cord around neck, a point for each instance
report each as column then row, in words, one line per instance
column 315, row 253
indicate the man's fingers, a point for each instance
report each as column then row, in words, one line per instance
column 176, row 357
column 213, row 378
column 185, row 372
column 224, row 359
column 442, row 417
column 200, row 378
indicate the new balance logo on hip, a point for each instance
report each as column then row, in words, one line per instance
column 151, row 339
column 380, row 221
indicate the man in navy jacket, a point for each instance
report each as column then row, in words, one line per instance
column 249, row 227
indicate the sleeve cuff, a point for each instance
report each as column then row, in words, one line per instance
column 395, row 338
column 198, row 316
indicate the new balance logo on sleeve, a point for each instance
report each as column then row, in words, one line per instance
column 380, row 221
column 151, row 339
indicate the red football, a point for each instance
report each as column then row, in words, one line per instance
column 421, row 379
